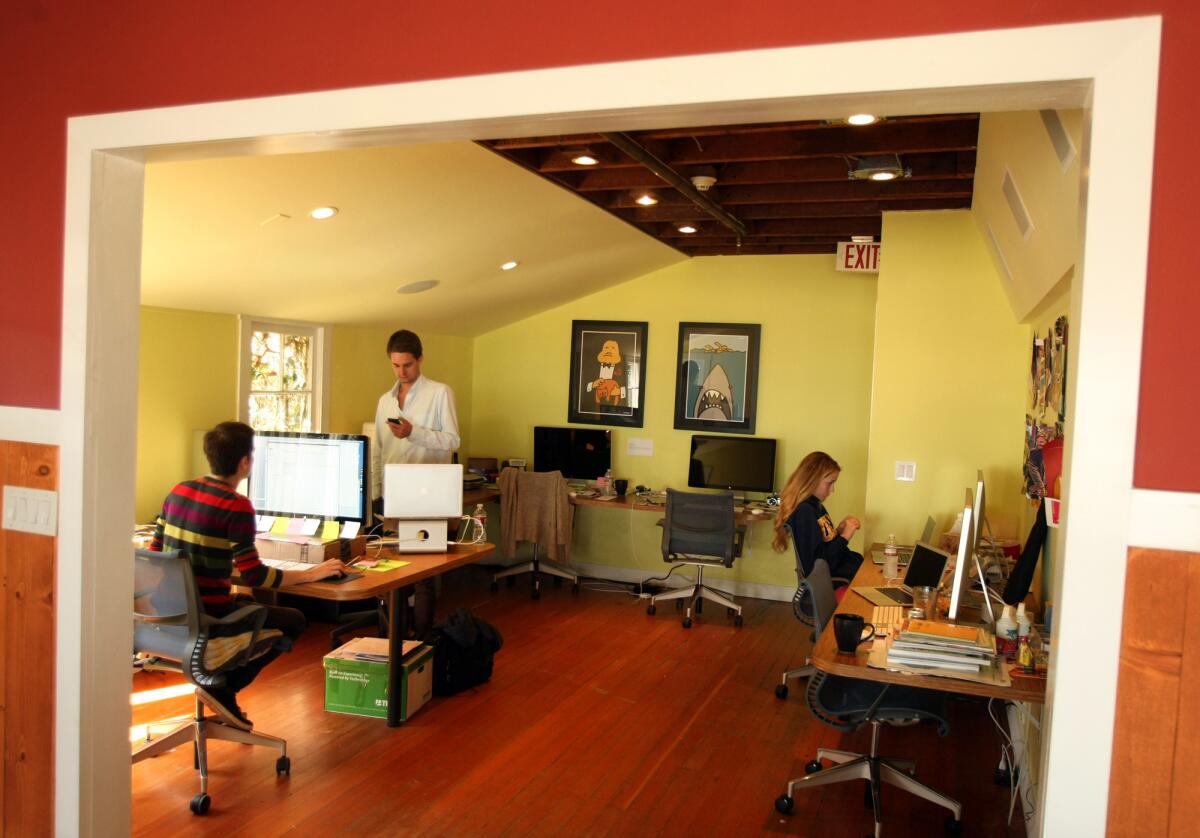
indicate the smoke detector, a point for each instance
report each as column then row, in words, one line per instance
column 703, row 182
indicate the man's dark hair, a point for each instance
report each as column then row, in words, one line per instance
column 405, row 341
column 226, row 444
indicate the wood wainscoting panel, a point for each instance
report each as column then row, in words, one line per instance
column 27, row 572
column 1156, row 753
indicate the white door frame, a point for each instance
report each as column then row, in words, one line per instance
column 1109, row 68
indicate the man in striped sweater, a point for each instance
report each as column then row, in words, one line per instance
column 211, row 524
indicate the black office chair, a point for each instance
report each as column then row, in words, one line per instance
column 698, row 526
column 849, row 703
column 802, row 607
column 171, row 632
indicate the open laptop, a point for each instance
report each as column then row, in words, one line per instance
column 905, row 551
column 924, row 570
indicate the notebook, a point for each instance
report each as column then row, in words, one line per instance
column 905, row 551
column 924, row 571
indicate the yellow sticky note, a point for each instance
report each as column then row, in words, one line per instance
column 329, row 531
column 280, row 527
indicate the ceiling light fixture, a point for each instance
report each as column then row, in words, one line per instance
column 862, row 119
column 321, row 213
column 686, row 228
column 862, row 239
column 509, row 265
column 582, row 156
column 646, row 199
column 417, row 287
column 877, row 167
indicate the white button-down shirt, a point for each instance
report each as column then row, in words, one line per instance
column 429, row 405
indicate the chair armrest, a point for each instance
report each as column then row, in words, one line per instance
column 175, row 619
column 253, row 616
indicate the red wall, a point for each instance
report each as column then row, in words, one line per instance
column 70, row 57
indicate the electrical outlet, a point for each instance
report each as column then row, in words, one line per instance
column 30, row 510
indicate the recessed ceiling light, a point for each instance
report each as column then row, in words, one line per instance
column 883, row 176
column 417, row 287
column 862, row 239
column 321, row 213
column 582, row 157
column 862, row 119
column 508, row 266
column 646, row 199
column 686, row 228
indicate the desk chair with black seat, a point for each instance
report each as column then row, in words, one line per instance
column 535, row 506
column 802, row 607
column 171, row 632
column 849, row 703
column 699, row 529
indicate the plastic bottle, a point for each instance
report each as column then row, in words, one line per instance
column 891, row 558
column 480, row 515
column 1023, row 622
column 1006, row 633
column 609, row 488
column 1025, row 654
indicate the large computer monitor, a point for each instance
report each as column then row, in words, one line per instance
column 422, row 491
column 304, row 475
column 977, row 513
column 966, row 557
column 579, row 453
column 742, row 463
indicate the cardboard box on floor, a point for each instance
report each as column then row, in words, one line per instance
column 359, row 687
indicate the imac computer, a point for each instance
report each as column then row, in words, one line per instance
column 732, row 463
column 305, row 475
column 579, row 453
column 966, row 557
column 422, row 497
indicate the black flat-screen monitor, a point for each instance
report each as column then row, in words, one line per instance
column 745, row 464
column 579, row 453
column 309, row 475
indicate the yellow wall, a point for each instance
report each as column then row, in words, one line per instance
column 951, row 366
column 187, row 380
column 814, row 386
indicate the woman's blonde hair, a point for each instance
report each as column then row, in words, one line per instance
column 804, row 481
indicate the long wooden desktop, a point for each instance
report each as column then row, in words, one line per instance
column 395, row 584
column 827, row 658
column 626, row 503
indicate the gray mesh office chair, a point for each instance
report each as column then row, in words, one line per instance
column 171, row 632
column 802, row 607
column 849, row 703
column 699, row 530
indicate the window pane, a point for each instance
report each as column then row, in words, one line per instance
column 270, row 412
column 296, row 362
column 264, row 361
column 296, row 412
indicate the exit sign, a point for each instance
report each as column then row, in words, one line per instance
column 863, row 258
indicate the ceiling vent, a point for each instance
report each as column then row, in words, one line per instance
column 877, row 167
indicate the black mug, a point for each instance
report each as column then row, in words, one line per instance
column 848, row 631
column 621, row 486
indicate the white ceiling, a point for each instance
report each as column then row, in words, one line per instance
column 452, row 212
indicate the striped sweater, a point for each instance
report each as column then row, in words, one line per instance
column 213, row 526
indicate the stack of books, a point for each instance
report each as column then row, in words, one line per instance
column 923, row 645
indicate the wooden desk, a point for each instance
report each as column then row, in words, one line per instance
column 634, row 503
column 394, row 584
column 827, row 658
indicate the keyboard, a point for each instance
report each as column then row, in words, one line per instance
column 886, row 617
column 281, row 564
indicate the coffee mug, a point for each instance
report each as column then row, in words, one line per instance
column 848, row 631
column 622, row 486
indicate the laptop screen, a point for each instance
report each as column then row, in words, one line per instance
column 926, row 567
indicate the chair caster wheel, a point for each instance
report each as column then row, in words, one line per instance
column 737, row 621
column 283, row 765
column 650, row 609
column 495, row 586
column 781, row 691
column 200, row 804
column 812, row 766
column 687, row 622
column 953, row 827
column 784, row 804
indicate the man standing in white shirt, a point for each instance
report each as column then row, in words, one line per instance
column 415, row 422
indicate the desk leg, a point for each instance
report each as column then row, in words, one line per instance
column 397, row 631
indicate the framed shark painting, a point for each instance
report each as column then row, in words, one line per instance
column 716, row 379
column 608, row 372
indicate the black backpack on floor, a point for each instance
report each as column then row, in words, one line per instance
column 463, row 648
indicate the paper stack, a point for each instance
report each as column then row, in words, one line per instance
column 923, row 645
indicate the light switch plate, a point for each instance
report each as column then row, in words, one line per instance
column 30, row 510
column 906, row 470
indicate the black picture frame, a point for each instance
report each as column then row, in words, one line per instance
column 721, row 359
column 608, row 373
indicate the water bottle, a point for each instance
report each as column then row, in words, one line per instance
column 609, row 489
column 1006, row 633
column 480, row 515
column 891, row 558
column 1023, row 622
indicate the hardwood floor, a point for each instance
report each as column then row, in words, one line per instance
column 599, row 720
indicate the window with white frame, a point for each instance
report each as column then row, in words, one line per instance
column 281, row 375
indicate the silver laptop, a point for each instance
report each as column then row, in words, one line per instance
column 906, row 552
column 924, row 570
